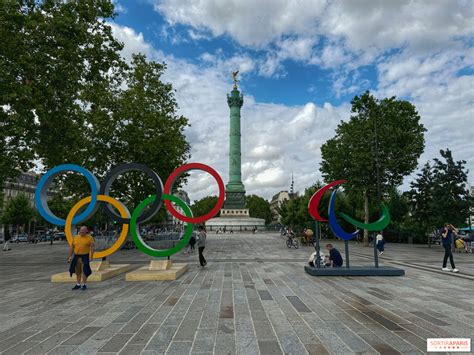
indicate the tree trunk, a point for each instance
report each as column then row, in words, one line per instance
column 366, row 218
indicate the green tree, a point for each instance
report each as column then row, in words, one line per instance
column 451, row 191
column 145, row 128
column 259, row 208
column 289, row 212
column 204, row 205
column 67, row 96
column 18, row 211
column 440, row 193
column 421, row 202
column 382, row 135
column 398, row 205
column 56, row 62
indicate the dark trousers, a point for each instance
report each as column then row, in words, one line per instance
column 381, row 245
column 202, row 260
column 448, row 254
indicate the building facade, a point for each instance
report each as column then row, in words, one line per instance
column 275, row 204
column 25, row 184
column 183, row 195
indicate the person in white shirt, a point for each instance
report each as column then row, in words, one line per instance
column 380, row 242
column 312, row 259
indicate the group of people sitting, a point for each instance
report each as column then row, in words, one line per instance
column 334, row 259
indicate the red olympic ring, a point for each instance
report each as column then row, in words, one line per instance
column 176, row 174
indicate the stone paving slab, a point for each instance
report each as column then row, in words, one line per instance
column 253, row 298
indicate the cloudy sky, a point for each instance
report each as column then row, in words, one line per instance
column 301, row 62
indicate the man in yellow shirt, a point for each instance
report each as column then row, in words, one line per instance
column 80, row 254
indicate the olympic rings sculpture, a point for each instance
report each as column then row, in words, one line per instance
column 130, row 222
column 336, row 228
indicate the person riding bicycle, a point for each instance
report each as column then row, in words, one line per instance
column 290, row 233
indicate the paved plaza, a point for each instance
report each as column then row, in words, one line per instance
column 253, row 297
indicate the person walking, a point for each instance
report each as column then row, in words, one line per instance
column 80, row 254
column 201, row 242
column 6, row 240
column 192, row 243
column 380, row 243
column 447, row 240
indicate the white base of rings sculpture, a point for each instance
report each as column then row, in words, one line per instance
column 101, row 271
column 157, row 270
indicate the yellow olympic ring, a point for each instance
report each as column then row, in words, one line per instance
column 123, row 213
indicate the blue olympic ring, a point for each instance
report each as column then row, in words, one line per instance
column 45, row 182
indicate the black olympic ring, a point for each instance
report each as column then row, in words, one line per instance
column 124, row 168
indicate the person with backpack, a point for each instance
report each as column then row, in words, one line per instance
column 447, row 241
column 201, row 242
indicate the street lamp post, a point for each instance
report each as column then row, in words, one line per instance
column 379, row 194
column 317, row 233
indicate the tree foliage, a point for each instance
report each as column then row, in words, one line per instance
column 204, row 205
column 54, row 55
column 259, row 208
column 390, row 125
column 144, row 128
column 18, row 211
column 67, row 96
column 440, row 193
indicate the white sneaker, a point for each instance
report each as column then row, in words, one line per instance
column 381, row 253
column 446, row 269
column 455, row 270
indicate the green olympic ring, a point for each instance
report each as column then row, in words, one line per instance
column 137, row 238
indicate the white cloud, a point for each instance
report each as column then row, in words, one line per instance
column 250, row 22
column 119, row 8
column 365, row 27
column 332, row 56
column 297, row 48
column 379, row 25
column 198, row 35
column 133, row 41
column 240, row 62
column 271, row 66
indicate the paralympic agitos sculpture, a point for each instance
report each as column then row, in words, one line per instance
column 313, row 205
column 338, row 231
column 99, row 193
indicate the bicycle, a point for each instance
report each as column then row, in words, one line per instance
column 292, row 242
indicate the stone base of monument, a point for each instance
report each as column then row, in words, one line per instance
column 355, row 271
column 158, row 270
column 236, row 220
column 101, row 271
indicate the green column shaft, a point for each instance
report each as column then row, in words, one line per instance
column 235, row 170
column 235, row 102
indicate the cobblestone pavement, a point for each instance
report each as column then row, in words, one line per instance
column 253, row 297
